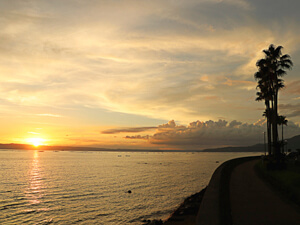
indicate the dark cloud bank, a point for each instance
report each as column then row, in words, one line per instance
column 200, row 135
column 127, row 130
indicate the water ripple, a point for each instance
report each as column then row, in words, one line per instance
column 72, row 188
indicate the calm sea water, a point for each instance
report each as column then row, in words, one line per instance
column 92, row 187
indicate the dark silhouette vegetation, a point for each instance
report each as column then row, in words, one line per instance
column 269, row 76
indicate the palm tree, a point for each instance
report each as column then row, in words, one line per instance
column 266, row 95
column 282, row 121
column 270, row 70
column 277, row 65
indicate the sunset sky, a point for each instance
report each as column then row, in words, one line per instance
column 142, row 74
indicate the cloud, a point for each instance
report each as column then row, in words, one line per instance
column 200, row 134
column 146, row 137
column 127, row 130
column 30, row 132
column 290, row 110
column 241, row 83
column 170, row 125
column 49, row 114
column 261, row 122
column 295, row 113
column 292, row 88
column 235, row 124
column 190, row 59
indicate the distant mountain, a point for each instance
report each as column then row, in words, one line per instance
column 15, row 146
column 292, row 143
column 253, row 148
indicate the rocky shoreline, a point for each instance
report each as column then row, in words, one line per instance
column 185, row 214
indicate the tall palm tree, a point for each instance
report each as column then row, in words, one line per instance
column 266, row 95
column 270, row 70
column 277, row 65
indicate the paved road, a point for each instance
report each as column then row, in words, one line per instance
column 253, row 202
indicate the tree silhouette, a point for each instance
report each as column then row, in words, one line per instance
column 271, row 69
column 266, row 95
column 282, row 121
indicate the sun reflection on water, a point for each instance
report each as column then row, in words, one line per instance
column 34, row 191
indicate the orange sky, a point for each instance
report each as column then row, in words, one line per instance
column 71, row 71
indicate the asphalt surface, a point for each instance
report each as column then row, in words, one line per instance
column 255, row 202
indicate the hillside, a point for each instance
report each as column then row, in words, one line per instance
column 293, row 144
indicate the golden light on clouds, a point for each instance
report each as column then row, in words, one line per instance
column 75, row 69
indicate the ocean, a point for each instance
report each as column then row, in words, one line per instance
column 77, row 187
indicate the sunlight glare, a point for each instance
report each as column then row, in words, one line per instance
column 35, row 141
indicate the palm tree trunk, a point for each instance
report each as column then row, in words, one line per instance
column 275, row 127
column 282, row 138
column 268, row 126
column 269, row 137
column 272, row 126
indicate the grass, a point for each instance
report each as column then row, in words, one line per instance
column 286, row 181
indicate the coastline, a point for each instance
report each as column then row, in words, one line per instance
column 185, row 214
column 209, row 203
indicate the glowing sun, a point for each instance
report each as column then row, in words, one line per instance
column 35, row 141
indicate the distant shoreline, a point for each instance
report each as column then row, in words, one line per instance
column 92, row 149
column 123, row 150
column 292, row 143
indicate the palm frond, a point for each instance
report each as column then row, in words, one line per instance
column 281, row 72
column 277, row 51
